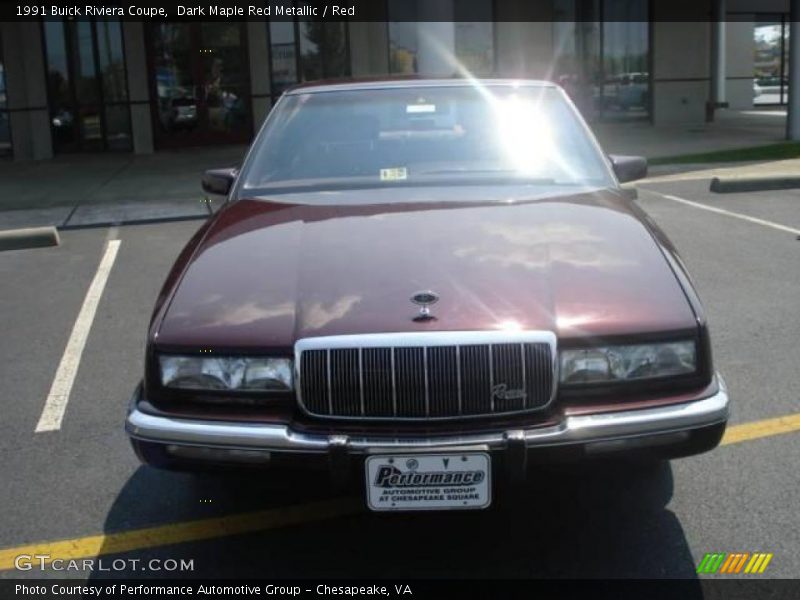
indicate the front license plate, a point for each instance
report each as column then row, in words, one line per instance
column 429, row 481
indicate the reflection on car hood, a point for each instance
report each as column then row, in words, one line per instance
column 268, row 273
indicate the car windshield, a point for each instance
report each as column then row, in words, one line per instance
column 424, row 136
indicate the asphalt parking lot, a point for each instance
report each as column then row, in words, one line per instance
column 78, row 491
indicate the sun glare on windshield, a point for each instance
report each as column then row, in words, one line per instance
column 425, row 135
column 523, row 133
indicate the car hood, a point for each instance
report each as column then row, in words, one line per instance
column 267, row 273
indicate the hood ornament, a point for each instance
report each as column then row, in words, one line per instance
column 425, row 300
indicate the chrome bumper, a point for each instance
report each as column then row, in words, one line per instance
column 576, row 430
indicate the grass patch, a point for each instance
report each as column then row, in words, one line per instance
column 771, row 152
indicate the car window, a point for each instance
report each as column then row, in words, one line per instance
column 424, row 135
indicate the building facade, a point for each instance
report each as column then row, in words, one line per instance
column 127, row 86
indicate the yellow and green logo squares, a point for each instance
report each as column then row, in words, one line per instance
column 734, row 563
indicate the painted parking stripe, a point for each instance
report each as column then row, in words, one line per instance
column 190, row 531
column 729, row 213
column 759, row 429
column 56, row 403
column 208, row 529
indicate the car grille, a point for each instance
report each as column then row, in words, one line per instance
column 423, row 376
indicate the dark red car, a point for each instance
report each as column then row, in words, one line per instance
column 426, row 280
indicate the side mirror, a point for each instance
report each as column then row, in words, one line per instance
column 629, row 168
column 219, row 181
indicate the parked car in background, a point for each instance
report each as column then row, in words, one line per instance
column 435, row 282
column 180, row 113
column 625, row 91
column 772, row 81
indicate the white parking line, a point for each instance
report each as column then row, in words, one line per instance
column 56, row 403
column 729, row 213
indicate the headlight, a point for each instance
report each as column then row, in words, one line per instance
column 629, row 362
column 233, row 374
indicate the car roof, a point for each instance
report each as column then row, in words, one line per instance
column 314, row 87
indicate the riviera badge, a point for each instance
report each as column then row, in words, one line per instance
column 425, row 300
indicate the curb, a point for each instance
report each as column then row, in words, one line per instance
column 753, row 184
column 32, row 237
column 153, row 221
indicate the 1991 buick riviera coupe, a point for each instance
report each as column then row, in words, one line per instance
column 438, row 282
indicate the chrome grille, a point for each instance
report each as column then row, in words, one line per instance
column 420, row 376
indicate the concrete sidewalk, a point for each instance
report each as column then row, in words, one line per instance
column 85, row 189
column 730, row 130
column 88, row 189
column 773, row 169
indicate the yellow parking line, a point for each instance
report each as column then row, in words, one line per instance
column 205, row 529
column 178, row 533
column 758, row 429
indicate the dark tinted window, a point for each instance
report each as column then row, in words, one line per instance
column 112, row 61
column 87, row 86
column 307, row 51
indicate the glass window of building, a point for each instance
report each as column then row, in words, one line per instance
column 577, row 51
column 771, row 60
column 472, row 35
column 785, row 67
column 602, row 56
column 226, row 79
column 114, row 85
column 200, row 83
column 59, row 88
column 5, row 125
column 625, row 91
column 283, row 55
column 402, row 37
column 310, row 39
column 87, row 87
column 303, row 50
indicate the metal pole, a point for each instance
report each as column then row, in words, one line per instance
column 718, row 53
column 718, row 69
column 793, row 103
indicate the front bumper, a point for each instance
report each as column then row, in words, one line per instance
column 595, row 434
